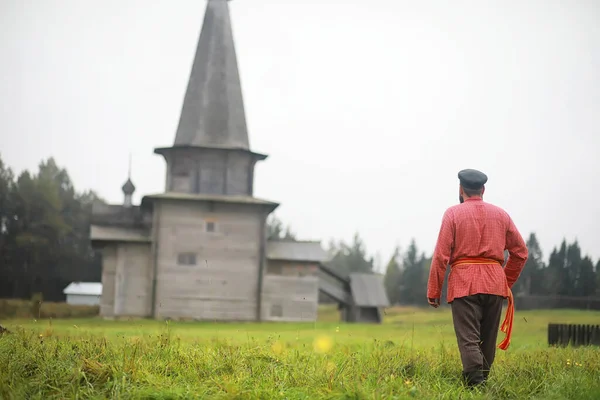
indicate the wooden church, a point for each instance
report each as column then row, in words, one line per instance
column 199, row 249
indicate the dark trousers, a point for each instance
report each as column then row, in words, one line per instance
column 476, row 323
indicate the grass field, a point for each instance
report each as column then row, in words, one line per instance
column 412, row 355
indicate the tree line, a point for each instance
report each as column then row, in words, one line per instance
column 44, row 233
column 44, row 245
column 566, row 273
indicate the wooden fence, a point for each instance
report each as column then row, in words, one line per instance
column 573, row 334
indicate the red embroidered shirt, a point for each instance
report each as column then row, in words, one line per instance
column 476, row 229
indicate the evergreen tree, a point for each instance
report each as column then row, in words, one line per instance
column 277, row 231
column 44, row 233
column 358, row 259
column 531, row 279
column 421, row 292
column 598, row 278
column 392, row 279
column 414, row 276
column 572, row 269
column 6, row 220
column 347, row 259
column 557, row 282
column 585, row 283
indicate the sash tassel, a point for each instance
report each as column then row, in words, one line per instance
column 507, row 324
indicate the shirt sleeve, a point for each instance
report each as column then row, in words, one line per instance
column 517, row 253
column 441, row 256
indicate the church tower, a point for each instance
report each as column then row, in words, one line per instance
column 209, row 231
column 199, row 250
column 211, row 153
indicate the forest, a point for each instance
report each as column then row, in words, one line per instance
column 44, row 245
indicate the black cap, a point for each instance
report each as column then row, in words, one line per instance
column 472, row 179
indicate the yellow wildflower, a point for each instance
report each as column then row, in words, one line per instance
column 277, row 347
column 322, row 344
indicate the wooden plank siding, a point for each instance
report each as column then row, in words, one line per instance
column 290, row 299
column 132, row 280
column 109, row 265
column 206, row 274
column 223, row 282
column 125, row 280
column 215, row 171
column 292, row 268
column 291, row 291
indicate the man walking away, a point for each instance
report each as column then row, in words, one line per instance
column 472, row 239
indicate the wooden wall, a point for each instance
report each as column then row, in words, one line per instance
column 222, row 284
column 288, row 298
column 126, row 280
column 291, row 291
column 204, row 274
column 209, row 171
column 292, row 268
column 133, row 282
column 109, row 266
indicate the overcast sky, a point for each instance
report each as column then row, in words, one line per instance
column 367, row 109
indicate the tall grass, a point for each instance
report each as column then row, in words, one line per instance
column 412, row 355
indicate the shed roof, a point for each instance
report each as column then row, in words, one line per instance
column 296, row 250
column 84, row 288
column 119, row 234
column 368, row 290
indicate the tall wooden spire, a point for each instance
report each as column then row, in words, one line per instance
column 213, row 112
column 211, row 153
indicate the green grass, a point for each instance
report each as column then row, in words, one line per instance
column 412, row 355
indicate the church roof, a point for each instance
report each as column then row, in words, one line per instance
column 295, row 251
column 183, row 148
column 213, row 113
column 116, row 215
column 210, row 197
column 118, row 233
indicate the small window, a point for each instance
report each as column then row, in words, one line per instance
column 210, row 226
column 274, row 269
column 186, row 259
column 276, row 310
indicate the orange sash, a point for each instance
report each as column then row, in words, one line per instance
column 507, row 324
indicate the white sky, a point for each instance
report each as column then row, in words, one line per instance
column 367, row 109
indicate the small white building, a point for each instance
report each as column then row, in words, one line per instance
column 83, row 293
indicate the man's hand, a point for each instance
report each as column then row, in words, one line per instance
column 435, row 303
